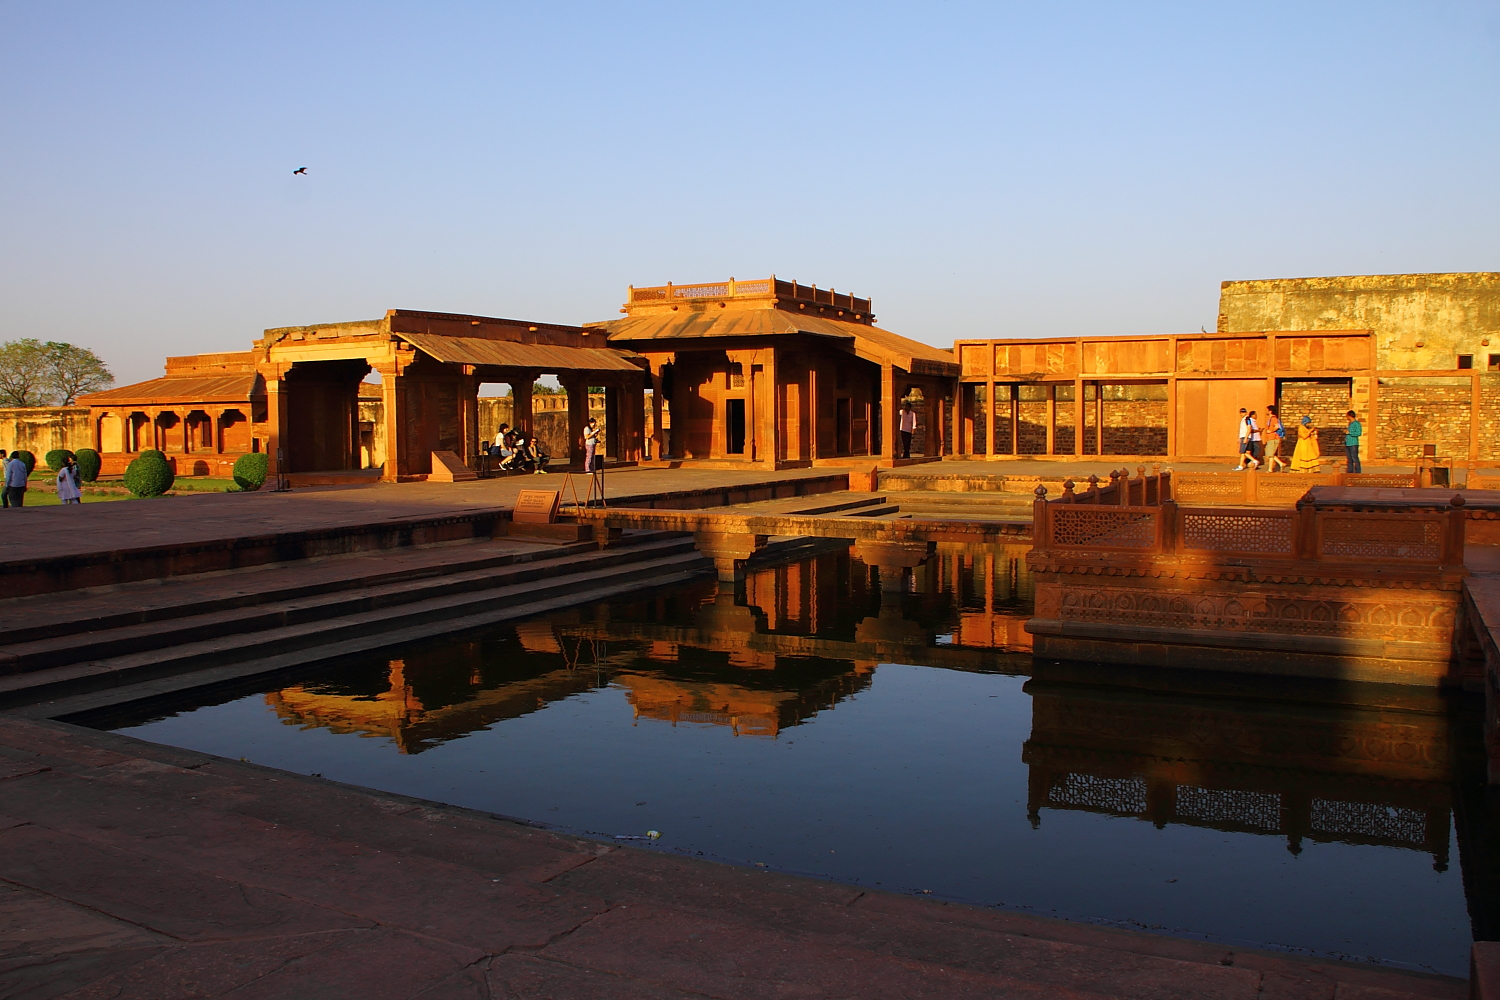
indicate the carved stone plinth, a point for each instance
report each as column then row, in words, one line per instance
column 729, row 552
column 893, row 559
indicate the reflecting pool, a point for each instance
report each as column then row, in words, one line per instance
column 812, row 723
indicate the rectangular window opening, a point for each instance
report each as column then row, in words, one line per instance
column 1465, row 361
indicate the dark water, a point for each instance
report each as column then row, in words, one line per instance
column 907, row 742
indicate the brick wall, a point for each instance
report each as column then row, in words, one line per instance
column 1417, row 410
column 1326, row 403
column 1489, row 417
column 1135, row 420
column 1032, row 436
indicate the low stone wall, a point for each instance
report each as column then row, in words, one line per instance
column 40, row 429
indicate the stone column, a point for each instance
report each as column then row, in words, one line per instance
column 520, row 402
column 729, row 552
column 577, row 388
column 393, row 401
column 890, row 414
column 813, row 451
column 658, row 436
column 632, row 416
column 468, row 418
column 276, row 426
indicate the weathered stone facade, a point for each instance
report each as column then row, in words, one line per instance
column 40, row 429
column 1422, row 322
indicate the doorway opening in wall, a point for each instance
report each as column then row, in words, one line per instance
column 734, row 426
column 843, row 426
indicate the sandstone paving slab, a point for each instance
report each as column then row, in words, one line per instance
column 368, row 965
column 348, row 876
column 739, row 961
column 920, row 933
column 152, row 892
column 528, row 977
column 47, row 976
column 1068, row 953
column 35, row 924
column 57, row 745
column 514, row 851
column 180, row 520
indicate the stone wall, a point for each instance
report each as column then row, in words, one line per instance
column 1422, row 322
column 1326, row 403
column 40, row 429
column 1418, row 410
column 1135, row 420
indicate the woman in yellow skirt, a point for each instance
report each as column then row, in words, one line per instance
column 1307, row 457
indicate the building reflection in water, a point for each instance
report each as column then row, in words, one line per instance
column 1364, row 767
column 1396, row 768
column 797, row 639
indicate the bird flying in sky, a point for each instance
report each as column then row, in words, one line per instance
column 300, row 170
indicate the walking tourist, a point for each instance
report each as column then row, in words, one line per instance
column 1244, row 438
column 1351, row 443
column 4, row 493
column 908, row 428
column 1307, row 457
column 67, row 482
column 1274, row 433
column 1257, row 444
column 15, row 483
column 1249, row 434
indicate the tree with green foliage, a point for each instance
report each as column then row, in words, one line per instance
column 89, row 464
column 24, row 373
column 36, row 374
column 73, row 371
column 150, row 475
column 250, row 471
column 58, row 457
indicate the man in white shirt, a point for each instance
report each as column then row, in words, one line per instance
column 1249, row 435
column 908, row 428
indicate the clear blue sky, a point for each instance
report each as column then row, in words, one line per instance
column 980, row 169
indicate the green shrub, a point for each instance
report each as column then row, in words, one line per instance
column 57, row 457
column 26, row 457
column 149, row 475
column 89, row 464
column 250, row 471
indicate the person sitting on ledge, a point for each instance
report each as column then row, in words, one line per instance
column 1307, row 457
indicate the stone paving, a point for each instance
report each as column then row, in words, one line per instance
column 63, row 531
column 132, row 870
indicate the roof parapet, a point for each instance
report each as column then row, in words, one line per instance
column 771, row 292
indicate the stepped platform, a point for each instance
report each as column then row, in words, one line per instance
column 133, row 870
column 65, row 548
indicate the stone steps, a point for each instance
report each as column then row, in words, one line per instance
column 27, row 619
column 282, row 634
column 275, row 606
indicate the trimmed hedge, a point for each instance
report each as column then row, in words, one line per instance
column 149, row 475
column 250, row 471
column 89, row 464
column 26, row 457
column 57, row 457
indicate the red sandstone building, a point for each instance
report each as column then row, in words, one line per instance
column 765, row 374
column 774, row 374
